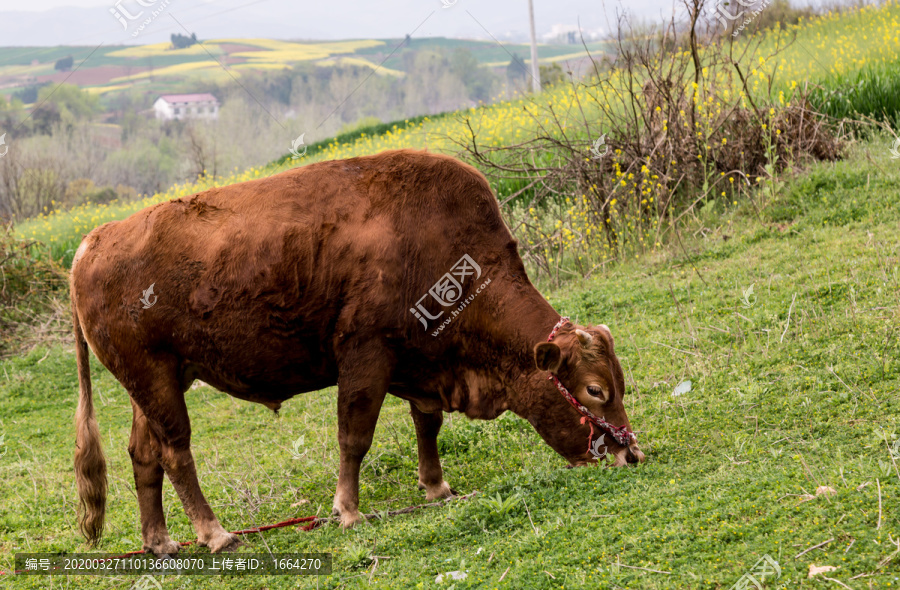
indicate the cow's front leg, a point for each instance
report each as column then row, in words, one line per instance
column 362, row 384
column 431, row 476
column 167, row 417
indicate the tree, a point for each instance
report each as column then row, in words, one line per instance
column 64, row 64
column 44, row 118
column 551, row 74
column 11, row 113
column 478, row 80
column 181, row 41
column 72, row 103
column 30, row 179
column 516, row 72
column 27, row 95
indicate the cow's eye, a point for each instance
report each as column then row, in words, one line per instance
column 595, row 391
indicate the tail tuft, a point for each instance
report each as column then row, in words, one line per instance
column 90, row 463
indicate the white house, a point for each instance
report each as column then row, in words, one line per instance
column 186, row 106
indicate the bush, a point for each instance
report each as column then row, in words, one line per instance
column 32, row 287
column 551, row 75
column 612, row 169
column 780, row 13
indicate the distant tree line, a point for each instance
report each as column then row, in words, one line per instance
column 182, row 41
column 60, row 156
column 64, row 64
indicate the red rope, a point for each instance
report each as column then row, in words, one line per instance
column 314, row 521
column 591, row 435
column 621, row 433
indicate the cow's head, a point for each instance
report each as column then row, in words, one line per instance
column 584, row 361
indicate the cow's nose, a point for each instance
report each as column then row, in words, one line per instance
column 634, row 455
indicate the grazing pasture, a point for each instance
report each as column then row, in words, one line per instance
column 761, row 352
column 794, row 388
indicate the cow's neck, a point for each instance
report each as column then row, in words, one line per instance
column 518, row 319
column 533, row 319
column 525, row 322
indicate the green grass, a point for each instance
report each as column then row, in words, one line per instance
column 314, row 149
column 23, row 56
column 873, row 91
column 785, row 398
column 837, row 43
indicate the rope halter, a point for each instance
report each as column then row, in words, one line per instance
column 622, row 435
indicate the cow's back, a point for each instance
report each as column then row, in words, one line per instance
column 256, row 280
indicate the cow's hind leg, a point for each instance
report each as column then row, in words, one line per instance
column 148, row 480
column 363, row 376
column 431, row 476
column 167, row 417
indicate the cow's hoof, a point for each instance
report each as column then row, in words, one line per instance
column 350, row 519
column 164, row 546
column 439, row 491
column 221, row 541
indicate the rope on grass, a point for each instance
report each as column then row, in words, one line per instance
column 313, row 522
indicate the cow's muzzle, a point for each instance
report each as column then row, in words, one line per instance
column 633, row 454
column 626, row 455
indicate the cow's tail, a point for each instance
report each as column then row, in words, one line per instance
column 90, row 464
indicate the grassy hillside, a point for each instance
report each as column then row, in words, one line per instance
column 785, row 319
column 848, row 43
column 794, row 387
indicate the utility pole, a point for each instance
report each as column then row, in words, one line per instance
column 535, row 68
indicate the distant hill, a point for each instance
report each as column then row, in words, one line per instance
column 161, row 68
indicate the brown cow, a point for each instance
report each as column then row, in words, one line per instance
column 387, row 273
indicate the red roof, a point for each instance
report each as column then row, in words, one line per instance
column 203, row 97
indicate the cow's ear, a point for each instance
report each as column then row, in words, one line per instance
column 609, row 337
column 547, row 356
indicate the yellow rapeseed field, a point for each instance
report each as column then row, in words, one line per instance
column 268, row 54
column 165, row 49
column 191, row 66
column 832, row 44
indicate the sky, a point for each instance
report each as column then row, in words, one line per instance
column 89, row 22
